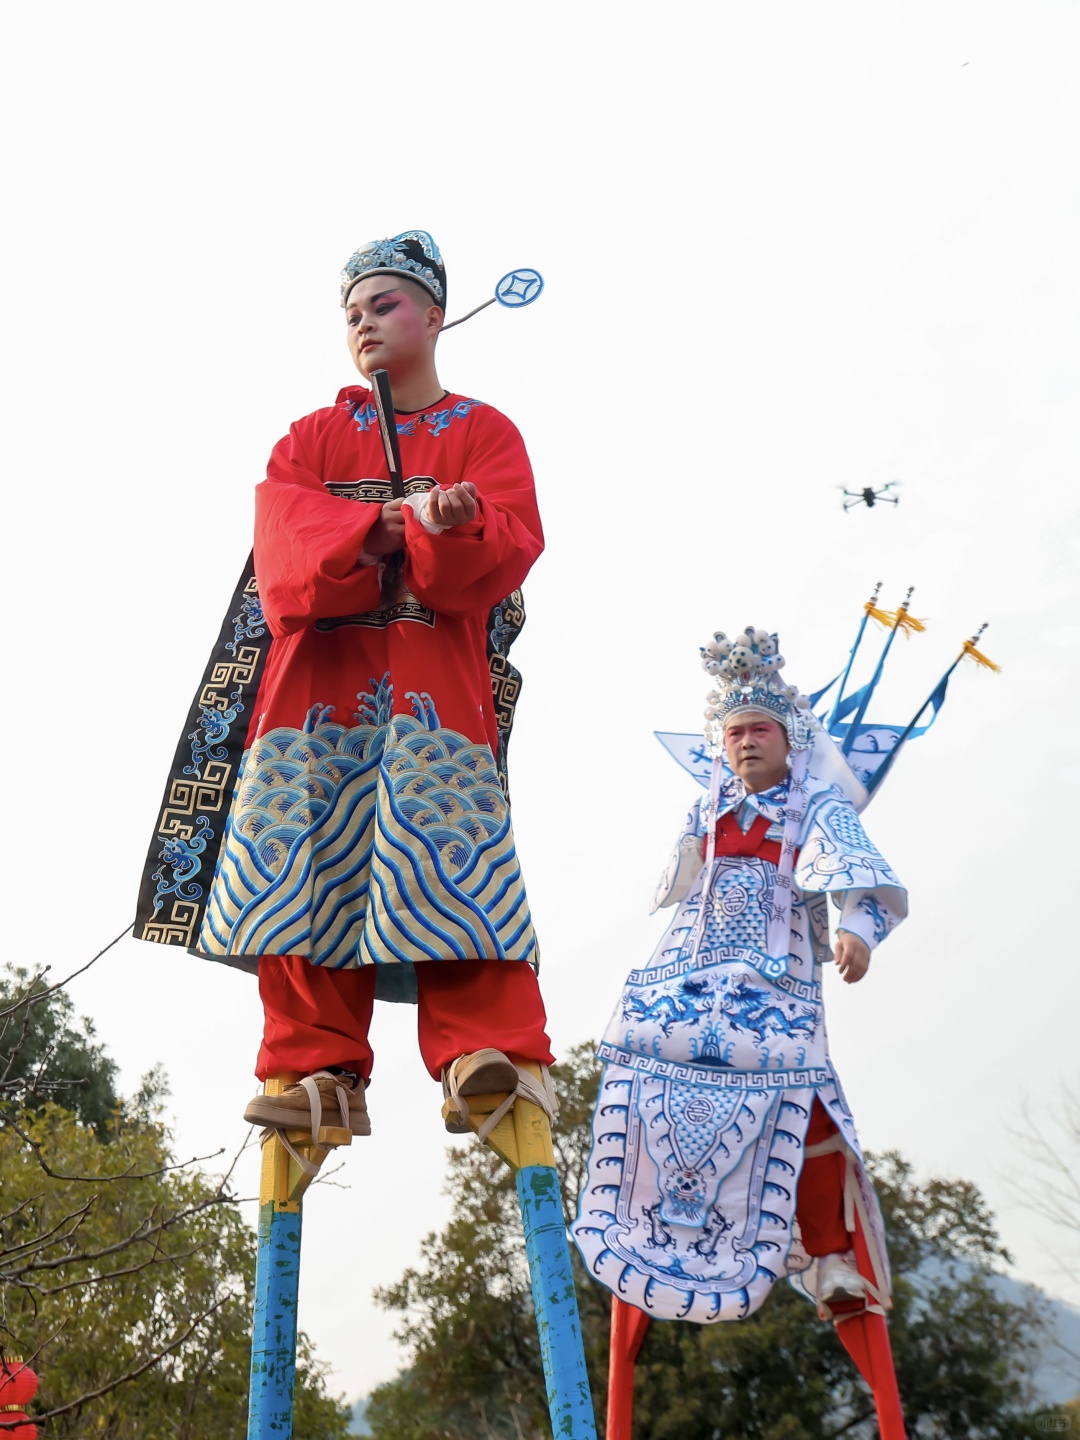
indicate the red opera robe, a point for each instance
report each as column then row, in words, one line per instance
column 358, row 751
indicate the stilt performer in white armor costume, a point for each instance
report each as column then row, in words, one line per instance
column 724, row 1153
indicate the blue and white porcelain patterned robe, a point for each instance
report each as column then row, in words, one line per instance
column 715, row 1053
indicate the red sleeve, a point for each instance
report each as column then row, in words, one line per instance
column 472, row 567
column 307, row 544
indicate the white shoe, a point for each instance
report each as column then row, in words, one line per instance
column 838, row 1280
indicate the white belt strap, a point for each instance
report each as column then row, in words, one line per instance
column 855, row 1206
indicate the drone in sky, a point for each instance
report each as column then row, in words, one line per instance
column 871, row 497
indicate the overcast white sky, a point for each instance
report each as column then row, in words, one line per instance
column 787, row 247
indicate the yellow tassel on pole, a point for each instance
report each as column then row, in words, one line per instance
column 977, row 654
column 978, row 657
column 883, row 617
column 906, row 622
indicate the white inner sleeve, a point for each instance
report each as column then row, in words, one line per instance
column 418, row 504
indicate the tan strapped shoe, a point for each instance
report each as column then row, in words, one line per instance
column 484, row 1072
column 301, row 1106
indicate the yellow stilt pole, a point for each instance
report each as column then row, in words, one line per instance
column 522, row 1138
column 277, row 1271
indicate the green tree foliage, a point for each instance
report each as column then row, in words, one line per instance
column 128, row 1281
column 474, row 1369
column 46, row 1053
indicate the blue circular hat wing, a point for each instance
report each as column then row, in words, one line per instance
column 520, row 287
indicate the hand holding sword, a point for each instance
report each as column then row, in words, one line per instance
column 455, row 505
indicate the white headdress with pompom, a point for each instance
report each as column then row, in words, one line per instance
column 747, row 674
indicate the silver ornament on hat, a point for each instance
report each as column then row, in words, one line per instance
column 748, row 681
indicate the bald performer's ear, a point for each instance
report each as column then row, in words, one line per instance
column 434, row 319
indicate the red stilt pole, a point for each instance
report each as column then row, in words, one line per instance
column 866, row 1339
column 628, row 1326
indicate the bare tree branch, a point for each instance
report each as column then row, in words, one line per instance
column 1050, row 1186
column 30, row 997
column 121, row 1379
column 142, row 1234
column 22, row 1205
column 42, row 1242
column 101, row 1179
column 158, row 1258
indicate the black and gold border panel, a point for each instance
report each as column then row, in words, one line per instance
column 195, row 807
column 505, row 623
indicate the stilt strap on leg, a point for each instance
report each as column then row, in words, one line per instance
column 308, row 1166
column 877, row 1289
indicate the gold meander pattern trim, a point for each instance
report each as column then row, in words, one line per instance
column 207, row 793
column 176, row 928
column 505, row 689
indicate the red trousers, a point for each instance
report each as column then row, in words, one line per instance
column 819, row 1207
column 315, row 1016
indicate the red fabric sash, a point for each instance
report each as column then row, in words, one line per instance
column 730, row 839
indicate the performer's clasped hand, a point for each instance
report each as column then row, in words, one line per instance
column 387, row 535
column 456, row 505
column 852, row 956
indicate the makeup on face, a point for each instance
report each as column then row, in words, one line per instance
column 757, row 750
column 386, row 328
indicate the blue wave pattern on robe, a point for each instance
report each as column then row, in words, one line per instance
column 714, row 1060
column 385, row 842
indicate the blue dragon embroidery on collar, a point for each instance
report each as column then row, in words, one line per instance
column 436, row 421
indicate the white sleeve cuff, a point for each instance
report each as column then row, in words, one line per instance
column 860, row 924
column 867, row 914
column 418, row 504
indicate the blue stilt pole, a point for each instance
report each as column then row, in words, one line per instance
column 557, row 1320
column 273, row 1337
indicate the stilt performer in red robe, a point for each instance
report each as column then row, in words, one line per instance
column 337, row 817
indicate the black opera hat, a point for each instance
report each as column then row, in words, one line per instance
column 412, row 254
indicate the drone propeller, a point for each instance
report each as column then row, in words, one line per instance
column 889, row 485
